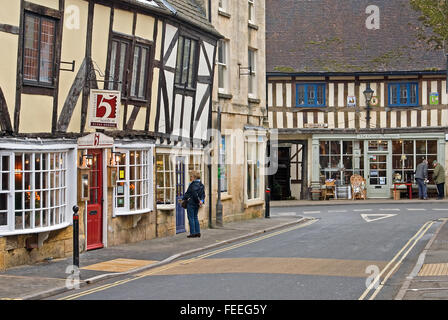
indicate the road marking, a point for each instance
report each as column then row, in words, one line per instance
column 283, row 214
column 362, row 210
column 439, row 209
column 389, row 209
column 183, row 262
column 337, row 210
column 378, row 216
column 415, row 238
column 415, row 209
column 310, row 212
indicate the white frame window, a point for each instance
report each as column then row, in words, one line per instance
column 225, row 167
column 222, row 62
column 252, row 80
column 254, row 166
column 35, row 190
column 132, row 194
column 166, row 187
column 251, row 11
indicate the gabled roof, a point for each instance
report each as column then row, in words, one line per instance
column 331, row 36
column 185, row 10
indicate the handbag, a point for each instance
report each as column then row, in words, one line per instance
column 184, row 203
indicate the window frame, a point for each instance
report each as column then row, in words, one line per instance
column 252, row 88
column 194, row 65
column 251, row 11
column 127, row 75
column 408, row 91
column 38, row 82
column 223, row 66
column 145, row 179
column 171, row 170
column 257, row 143
column 65, row 183
column 316, row 86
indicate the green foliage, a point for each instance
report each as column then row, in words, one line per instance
column 434, row 15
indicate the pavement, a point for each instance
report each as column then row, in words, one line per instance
column 428, row 280
column 52, row 277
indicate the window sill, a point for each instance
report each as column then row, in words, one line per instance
column 35, row 230
column 252, row 26
column 131, row 213
column 166, row 206
column 224, row 14
column 30, row 88
column 252, row 203
column 253, row 100
column 225, row 96
column 225, row 197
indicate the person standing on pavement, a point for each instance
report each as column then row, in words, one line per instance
column 195, row 195
column 421, row 176
column 439, row 179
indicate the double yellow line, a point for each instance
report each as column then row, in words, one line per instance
column 397, row 260
column 183, row 262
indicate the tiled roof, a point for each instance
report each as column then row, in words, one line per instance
column 331, row 36
column 186, row 10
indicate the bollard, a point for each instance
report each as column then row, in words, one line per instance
column 75, row 236
column 267, row 203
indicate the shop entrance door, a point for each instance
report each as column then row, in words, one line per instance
column 180, row 190
column 95, row 204
column 378, row 177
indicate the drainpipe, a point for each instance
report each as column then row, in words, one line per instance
column 218, row 202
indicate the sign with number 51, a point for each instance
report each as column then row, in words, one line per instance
column 104, row 109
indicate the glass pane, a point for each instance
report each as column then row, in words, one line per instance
column 180, row 49
column 300, row 95
column 123, row 51
column 191, row 67
column 186, row 60
column 134, row 71
column 413, row 94
column 47, row 50
column 347, row 147
column 408, row 146
column 5, row 163
column 324, row 147
column 221, row 70
column 31, row 48
column 403, row 94
column 432, row 146
column 142, row 82
column 420, row 146
column 397, row 147
column 335, row 147
column 394, row 94
column 311, row 95
column 18, row 221
column 113, row 62
column 5, row 181
column 320, row 95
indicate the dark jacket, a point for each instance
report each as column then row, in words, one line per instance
column 422, row 171
column 195, row 193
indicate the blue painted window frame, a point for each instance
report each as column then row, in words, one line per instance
column 314, row 86
column 408, row 90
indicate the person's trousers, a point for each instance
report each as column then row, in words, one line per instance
column 193, row 221
column 441, row 190
column 422, row 192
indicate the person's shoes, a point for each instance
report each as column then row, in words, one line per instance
column 197, row 235
column 425, row 198
column 191, row 236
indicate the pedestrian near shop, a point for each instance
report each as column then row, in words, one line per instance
column 439, row 179
column 421, row 176
column 195, row 196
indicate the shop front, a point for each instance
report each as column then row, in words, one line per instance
column 385, row 161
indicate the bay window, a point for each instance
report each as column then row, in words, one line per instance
column 33, row 191
column 133, row 190
column 164, row 179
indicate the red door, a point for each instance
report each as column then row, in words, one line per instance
column 95, row 205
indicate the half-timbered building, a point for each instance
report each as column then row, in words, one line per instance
column 104, row 105
column 238, row 110
column 321, row 57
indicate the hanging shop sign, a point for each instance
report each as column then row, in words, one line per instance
column 104, row 109
column 374, row 102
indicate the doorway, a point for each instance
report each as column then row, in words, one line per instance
column 95, row 204
column 180, row 191
column 378, row 182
